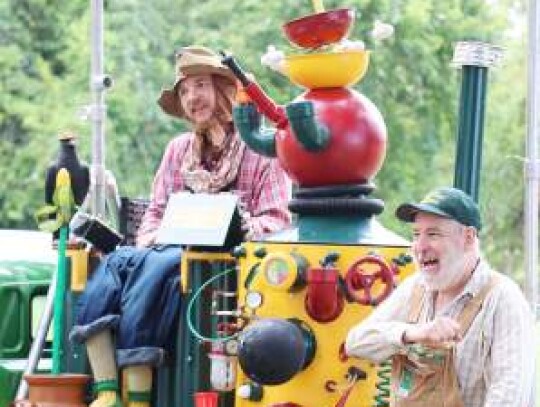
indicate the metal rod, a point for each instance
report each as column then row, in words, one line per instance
column 39, row 340
column 532, row 166
column 97, row 112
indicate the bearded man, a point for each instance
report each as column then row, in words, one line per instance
column 458, row 333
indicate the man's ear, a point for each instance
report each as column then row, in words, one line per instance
column 471, row 234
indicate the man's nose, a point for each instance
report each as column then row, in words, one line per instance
column 189, row 95
column 419, row 243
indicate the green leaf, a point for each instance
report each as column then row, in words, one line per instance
column 50, row 225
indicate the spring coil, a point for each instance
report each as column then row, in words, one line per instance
column 384, row 372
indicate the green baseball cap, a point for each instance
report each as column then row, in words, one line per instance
column 451, row 203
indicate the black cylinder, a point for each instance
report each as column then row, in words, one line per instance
column 271, row 351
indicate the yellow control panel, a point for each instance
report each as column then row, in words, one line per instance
column 326, row 290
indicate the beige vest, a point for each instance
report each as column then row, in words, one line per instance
column 426, row 377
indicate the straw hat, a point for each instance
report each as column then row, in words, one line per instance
column 192, row 60
column 66, row 135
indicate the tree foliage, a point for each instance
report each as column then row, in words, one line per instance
column 44, row 77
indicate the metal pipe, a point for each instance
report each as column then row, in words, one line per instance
column 98, row 83
column 474, row 58
column 532, row 165
column 39, row 340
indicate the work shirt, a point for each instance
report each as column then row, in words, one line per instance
column 261, row 185
column 495, row 360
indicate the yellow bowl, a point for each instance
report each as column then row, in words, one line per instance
column 327, row 70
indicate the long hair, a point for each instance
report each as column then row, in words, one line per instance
column 225, row 93
column 225, row 96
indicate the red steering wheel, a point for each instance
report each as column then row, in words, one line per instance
column 363, row 274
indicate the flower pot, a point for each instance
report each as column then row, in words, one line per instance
column 65, row 390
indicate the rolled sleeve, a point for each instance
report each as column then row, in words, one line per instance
column 376, row 341
column 380, row 335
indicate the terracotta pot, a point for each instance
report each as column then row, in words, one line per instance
column 21, row 403
column 65, row 390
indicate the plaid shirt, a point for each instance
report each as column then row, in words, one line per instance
column 261, row 185
column 495, row 361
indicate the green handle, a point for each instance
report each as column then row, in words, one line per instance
column 58, row 334
column 313, row 136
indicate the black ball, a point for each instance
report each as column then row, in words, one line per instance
column 271, row 351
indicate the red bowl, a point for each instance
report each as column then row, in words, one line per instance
column 316, row 30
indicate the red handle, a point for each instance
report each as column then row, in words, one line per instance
column 345, row 396
column 266, row 105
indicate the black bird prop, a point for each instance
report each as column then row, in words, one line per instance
column 79, row 172
column 78, row 175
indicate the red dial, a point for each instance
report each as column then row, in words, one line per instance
column 362, row 277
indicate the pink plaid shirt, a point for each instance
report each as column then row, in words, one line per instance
column 261, row 185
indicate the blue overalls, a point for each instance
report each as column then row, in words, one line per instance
column 135, row 293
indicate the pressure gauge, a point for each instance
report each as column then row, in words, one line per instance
column 280, row 271
column 253, row 299
column 277, row 270
column 231, row 347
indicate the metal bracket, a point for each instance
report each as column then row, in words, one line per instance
column 477, row 53
column 92, row 112
column 532, row 169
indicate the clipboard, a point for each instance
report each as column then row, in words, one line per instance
column 201, row 220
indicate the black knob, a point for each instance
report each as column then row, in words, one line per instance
column 239, row 252
column 271, row 351
column 260, row 252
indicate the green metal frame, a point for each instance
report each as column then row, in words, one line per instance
column 16, row 294
column 471, row 129
column 350, row 229
column 188, row 369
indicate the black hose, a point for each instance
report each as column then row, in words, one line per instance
column 328, row 191
column 336, row 206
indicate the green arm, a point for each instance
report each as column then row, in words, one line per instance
column 313, row 135
column 248, row 122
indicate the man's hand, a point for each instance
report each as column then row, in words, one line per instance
column 146, row 240
column 245, row 218
column 436, row 333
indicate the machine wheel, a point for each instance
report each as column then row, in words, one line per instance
column 360, row 281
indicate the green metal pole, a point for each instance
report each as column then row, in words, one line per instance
column 474, row 58
column 191, row 348
column 187, row 344
column 58, row 337
column 471, row 129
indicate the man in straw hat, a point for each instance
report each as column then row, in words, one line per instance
column 134, row 292
column 458, row 333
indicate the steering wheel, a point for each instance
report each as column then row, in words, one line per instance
column 360, row 280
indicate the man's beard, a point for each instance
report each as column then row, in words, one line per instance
column 204, row 127
column 447, row 277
